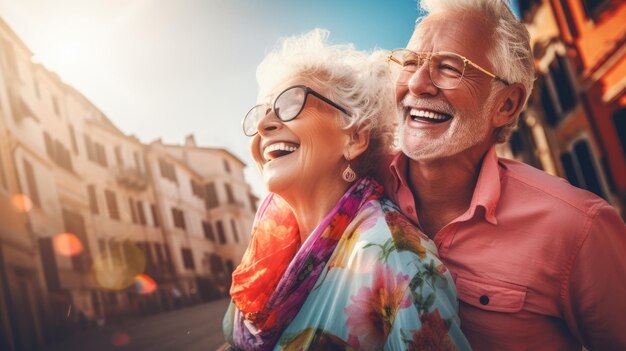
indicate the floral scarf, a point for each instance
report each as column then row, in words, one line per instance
column 276, row 274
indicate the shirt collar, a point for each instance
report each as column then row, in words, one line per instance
column 487, row 191
column 397, row 168
column 488, row 187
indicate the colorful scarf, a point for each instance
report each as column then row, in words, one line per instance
column 276, row 274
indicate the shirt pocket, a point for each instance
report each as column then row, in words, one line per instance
column 491, row 295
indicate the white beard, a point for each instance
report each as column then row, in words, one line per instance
column 463, row 133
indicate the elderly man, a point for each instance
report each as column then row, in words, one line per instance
column 538, row 264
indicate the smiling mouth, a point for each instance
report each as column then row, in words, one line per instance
column 278, row 150
column 428, row 116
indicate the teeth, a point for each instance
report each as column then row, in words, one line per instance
column 427, row 114
column 278, row 146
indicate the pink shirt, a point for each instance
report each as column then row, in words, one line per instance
column 538, row 263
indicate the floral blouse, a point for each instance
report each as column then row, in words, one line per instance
column 383, row 288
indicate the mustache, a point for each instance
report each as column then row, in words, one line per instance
column 411, row 101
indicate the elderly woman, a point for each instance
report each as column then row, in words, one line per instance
column 331, row 263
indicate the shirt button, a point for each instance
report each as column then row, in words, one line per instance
column 484, row 300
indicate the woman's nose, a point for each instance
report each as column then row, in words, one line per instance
column 268, row 123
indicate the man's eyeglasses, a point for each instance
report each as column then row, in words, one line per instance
column 287, row 107
column 446, row 69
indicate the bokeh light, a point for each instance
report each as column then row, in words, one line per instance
column 67, row 244
column 22, row 203
column 116, row 268
column 144, row 284
column 120, row 339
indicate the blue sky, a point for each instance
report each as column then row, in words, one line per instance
column 164, row 69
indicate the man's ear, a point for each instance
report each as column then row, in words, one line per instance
column 510, row 104
column 359, row 140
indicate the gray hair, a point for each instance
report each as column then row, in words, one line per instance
column 358, row 81
column 510, row 55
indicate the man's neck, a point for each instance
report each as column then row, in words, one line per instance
column 442, row 189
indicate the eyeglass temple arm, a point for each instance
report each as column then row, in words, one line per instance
column 486, row 72
column 319, row 96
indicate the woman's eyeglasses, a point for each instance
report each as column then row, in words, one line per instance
column 287, row 107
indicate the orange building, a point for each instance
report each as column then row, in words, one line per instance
column 575, row 123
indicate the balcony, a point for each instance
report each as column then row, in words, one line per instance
column 131, row 178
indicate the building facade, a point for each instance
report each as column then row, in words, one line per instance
column 575, row 123
column 95, row 225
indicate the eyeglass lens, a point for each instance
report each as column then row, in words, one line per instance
column 446, row 70
column 287, row 106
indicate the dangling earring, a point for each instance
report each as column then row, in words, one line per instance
column 348, row 174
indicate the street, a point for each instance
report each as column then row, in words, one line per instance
column 197, row 327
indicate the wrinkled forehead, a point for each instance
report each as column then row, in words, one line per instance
column 466, row 33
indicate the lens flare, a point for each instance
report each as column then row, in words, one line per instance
column 144, row 284
column 67, row 244
column 120, row 339
column 116, row 268
column 22, row 203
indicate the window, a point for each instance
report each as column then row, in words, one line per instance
column 179, row 218
column 587, row 166
column 188, row 259
column 93, row 201
column 33, row 192
column 58, row 152
column 570, row 169
column 158, row 248
column 101, row 155
column 548, row 106
column 208, row 231
column 137, row 162
column 75, row 224
column 580, row 168
column 220, row 232
column 155, row 217
column 619, row 120
column 235, row 233
column 118, row 156
column 229, row 193
column 141, row 215
column 49, row 264
column 73, row 139
column 91, row 153
column 131, row 206
column 211, row 196
column 565, row 94
column 226, row 166
column 197, row 189
column 167, row 170
column 593, row 8
column 96, row 152
column 111, row 200
column 217, row 267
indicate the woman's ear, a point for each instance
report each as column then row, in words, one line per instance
column 359, row 140
column 510, row 104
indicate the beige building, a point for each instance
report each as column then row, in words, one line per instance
column 208, row 212
column 109, row 226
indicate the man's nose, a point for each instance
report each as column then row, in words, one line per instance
column 420, row 82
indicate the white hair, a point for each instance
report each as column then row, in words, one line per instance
column 355, row 80
column 510, row 55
